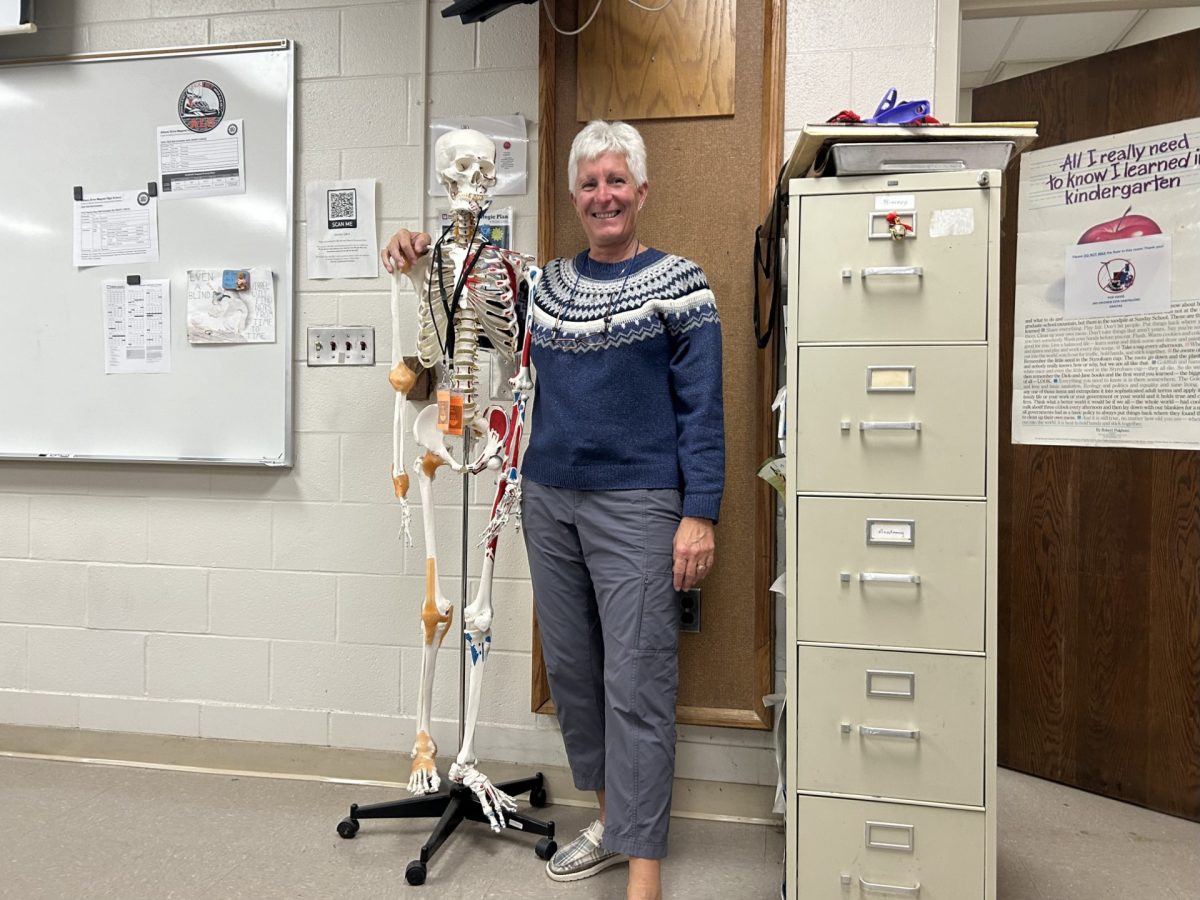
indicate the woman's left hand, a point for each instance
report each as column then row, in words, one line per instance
column 694, row 549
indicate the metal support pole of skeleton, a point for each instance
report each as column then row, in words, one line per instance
column 466, row 290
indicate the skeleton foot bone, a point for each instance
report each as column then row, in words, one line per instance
column 424, row 777
column 493, row 800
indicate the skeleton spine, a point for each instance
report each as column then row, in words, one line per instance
column 465, row 377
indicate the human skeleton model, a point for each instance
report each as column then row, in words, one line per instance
column 466, row 291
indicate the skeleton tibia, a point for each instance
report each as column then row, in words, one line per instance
column 477, row 619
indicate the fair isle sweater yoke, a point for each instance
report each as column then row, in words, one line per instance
column 636, row 403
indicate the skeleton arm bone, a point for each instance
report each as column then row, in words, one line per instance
column 401, row 378
column 508, row 488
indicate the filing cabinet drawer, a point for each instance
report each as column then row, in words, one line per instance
column 858, row 850
column 857, row 284
column 891, row 420
column 906, row 573
column 890, row 724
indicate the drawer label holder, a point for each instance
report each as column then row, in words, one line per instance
column 903, row 684
column 891, row 379
column 901, row 836
column 892, row 532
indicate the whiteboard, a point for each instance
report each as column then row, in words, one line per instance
column 91, row 121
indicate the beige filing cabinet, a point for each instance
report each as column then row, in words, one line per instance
column 892, row 363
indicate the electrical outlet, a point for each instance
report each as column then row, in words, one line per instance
column 689, row 611
column 352, row 345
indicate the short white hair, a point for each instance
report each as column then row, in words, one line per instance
column 599, row 137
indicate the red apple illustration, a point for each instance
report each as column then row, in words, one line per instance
column 1119, row 229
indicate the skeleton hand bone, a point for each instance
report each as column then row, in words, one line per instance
column 509, row 507
column 493, row 800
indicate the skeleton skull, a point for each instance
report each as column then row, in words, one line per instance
column 466, row 163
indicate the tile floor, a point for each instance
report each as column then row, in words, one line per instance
column 70, row 830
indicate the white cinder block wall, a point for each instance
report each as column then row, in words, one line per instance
column 846, row 54
column 270, row 605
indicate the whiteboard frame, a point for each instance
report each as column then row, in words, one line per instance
column 286, row 339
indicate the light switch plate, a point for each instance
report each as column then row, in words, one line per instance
column 350, row 345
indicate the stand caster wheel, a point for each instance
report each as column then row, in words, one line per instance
column 415, row 872
column 537, row 797
column 348, row 828
column 545, row 848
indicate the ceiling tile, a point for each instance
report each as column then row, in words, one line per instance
column 1068, row 36
column 1158, row 23
column 982, row 41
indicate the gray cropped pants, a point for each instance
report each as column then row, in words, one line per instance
column 609, row 619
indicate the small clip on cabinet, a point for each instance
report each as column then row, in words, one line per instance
column 893, row 329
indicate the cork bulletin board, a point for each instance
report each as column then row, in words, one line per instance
column 706, row 197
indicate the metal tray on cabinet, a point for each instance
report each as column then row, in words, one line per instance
column 919, row 156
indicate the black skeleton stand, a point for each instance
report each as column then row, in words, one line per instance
column 458, row 804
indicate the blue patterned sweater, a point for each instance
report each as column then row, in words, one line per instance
column 636, row 402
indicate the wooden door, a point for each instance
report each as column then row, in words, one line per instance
column 1099, row 579
column 711, row 183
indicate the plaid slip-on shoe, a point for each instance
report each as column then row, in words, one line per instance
column 584, row 857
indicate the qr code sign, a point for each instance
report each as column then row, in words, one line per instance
column 343, row 208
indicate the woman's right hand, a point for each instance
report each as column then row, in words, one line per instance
column 404, row 249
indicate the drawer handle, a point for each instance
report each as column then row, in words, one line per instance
column 889, row 578
column 872, row 731
column 872, row 271
column 868, row 887
column 889, row 426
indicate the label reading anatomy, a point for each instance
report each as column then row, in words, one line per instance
column 891, row 531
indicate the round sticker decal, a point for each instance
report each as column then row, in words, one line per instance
column 201, row 106
column 1116, row 276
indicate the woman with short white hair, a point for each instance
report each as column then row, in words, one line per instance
column 622, row 486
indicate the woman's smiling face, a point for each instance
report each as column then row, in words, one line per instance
column 607, row 203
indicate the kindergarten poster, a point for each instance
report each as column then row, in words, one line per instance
column 1106, row 338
